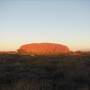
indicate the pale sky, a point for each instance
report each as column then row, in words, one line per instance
column 60, row 21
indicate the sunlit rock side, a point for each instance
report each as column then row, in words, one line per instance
column 43, row 49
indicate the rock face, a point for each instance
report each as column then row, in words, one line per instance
column 43, row 49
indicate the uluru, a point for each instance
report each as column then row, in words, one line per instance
column 43, row 49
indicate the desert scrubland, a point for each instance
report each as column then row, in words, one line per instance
column 63, row 72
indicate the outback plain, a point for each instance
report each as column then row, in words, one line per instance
column 63, row 72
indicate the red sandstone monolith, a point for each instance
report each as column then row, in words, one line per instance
column 43, row 49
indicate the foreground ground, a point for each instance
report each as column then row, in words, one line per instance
column 64, row 72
